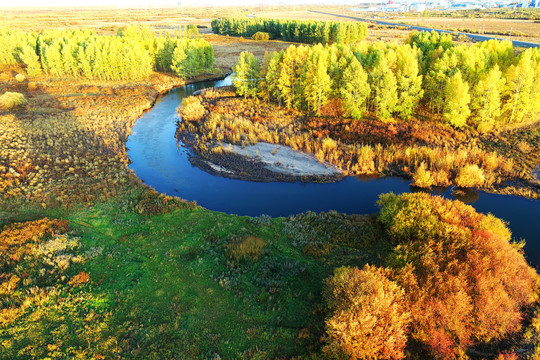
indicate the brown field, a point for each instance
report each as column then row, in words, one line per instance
column 526, row 30
column 169, row 19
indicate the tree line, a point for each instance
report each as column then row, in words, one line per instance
column 130, row 55
column 303, row 31
column 478, row 85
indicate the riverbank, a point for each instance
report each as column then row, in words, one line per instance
column 261, row 162
column 68, row 144
column 428, row 152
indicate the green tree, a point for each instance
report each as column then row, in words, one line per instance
column 273, row 72
column 409, row 81
column 486, row 98
column 31, row 60
column 246, row 74
column 519, row 88
column 318, row 83
column 177, row 61
column 457, row 99
column 385, row 95
column 354, row 90
column 192, row 31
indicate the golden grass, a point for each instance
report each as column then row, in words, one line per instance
column 12, row 100
column 429, row 153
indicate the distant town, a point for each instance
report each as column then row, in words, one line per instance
column 442, row 5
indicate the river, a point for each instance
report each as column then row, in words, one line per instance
column 163, row 163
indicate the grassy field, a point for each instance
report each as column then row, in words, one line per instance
column 176, row 285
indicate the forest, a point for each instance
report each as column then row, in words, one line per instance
column 130, row 55
column 476, row 86
column 302, row 31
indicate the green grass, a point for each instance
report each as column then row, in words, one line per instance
column 163, row 286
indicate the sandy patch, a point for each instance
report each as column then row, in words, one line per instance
column 284, row 160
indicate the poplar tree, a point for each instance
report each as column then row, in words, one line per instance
column 486, row 99
column 354, row 90
column 409, row 81
column 246, row 74
column 318, row 83
column 456, row 101
column 31, row 60
column 519, row 88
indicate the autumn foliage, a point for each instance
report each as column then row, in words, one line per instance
column 370, row 318
column 464, row 281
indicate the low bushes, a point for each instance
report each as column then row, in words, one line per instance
column 261, row 36
column 12, row 100
column 191, row 109
column 470, row 176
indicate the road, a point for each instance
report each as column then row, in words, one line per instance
column 516, row 43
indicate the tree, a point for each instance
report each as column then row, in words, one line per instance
column 273, row 72
column 385, row 89
column 486, row 99
column 409, row 81
column 354, row 90
column 290, row 77
column 192, row 31
column 369, row 317
column 177, row 61
column 246, row 74
column 263, row 83
column 519, row 88
column 464, row 279
column 456, row 101
column 31, row 60
column 318, row 83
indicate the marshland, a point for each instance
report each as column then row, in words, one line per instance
column 125, row 159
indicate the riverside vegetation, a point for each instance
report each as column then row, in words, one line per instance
column 428, row 110
column 95, row 265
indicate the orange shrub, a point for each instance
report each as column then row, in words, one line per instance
column 369, row 317
column 470, row 176
column 191, row 108
column 465, row 280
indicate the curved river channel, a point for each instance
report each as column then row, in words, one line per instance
column 162, row 163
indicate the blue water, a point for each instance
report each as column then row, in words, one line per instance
column 163, row 164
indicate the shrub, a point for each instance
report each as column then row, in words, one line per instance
column 248, row 249
column 422, row 177
column 12, row 100
column 369, row 318
column 465, row 281
column 470, row 176
column 20, row 77
column 191, row 109
column 261, row 36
